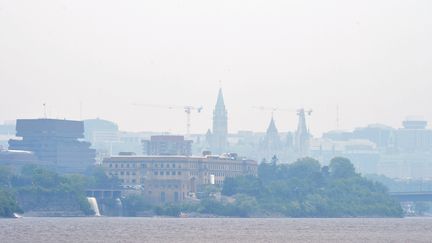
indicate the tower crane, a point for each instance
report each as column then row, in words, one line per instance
column 187, row 109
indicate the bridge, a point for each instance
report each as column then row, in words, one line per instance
column 412, row 196
column 104, row 193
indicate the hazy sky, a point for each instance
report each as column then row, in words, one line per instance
column 373, row 58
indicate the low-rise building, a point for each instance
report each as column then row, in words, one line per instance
column 175, row 178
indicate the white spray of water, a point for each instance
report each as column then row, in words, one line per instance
column 94, row 206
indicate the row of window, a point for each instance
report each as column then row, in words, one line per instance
column 165, row 186
column 166, row 165
column 128, row 181
column 122, row 165
column 173, row 173
column 122, row 173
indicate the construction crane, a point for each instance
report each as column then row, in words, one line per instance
column 187, row 109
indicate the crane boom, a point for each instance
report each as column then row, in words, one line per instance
column 186, row 108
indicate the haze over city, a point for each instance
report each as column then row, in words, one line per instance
column 95, row 59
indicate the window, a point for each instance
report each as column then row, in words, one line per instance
column 167, row 173
column 110, row 165
column 179, row 173
column 162, row 165
column 162, row 173
column 133, row 181
column 173, row 165
column 122, row 173
column 168, row 165
column 155, row 173
column 162, row 196
column 127, row 173
column 116, row 165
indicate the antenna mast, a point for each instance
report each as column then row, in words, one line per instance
column 45, row 111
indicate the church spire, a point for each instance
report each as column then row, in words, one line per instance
column 272, row 127
column 220, row 126
column 272, row 140
column 302, row 135
column 220, row 104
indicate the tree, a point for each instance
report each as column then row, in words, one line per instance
column 303, row 168
column 8, row 204
column 341, row 168
column 5, row 176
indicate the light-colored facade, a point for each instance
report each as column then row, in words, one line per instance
column 175, row 178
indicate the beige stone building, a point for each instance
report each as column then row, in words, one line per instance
column 175, row 178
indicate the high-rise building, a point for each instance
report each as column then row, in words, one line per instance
column 55, row 142
column 219, row 136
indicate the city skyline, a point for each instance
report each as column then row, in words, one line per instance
column 270, row 112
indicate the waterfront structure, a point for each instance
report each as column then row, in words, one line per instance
column 167, row 145
column 219, row 136
column 55, row 142
column 176, row 178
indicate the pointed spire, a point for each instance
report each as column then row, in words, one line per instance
column 272, row 127
column 272, row 140
column 220, row 100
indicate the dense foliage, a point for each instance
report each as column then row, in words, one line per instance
column 36, row 188
column 305, row 189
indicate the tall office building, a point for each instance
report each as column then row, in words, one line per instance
column 55, row 142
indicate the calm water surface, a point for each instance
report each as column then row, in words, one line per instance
column 214, row 230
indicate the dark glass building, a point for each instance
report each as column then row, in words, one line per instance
column 55, row 142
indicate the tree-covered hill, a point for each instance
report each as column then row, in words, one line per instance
column 305, row 189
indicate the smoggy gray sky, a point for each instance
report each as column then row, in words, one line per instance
column 373, row 58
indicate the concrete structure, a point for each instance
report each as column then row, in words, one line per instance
column 55, row 142
column 175, row 178
column 167, row 145
column 414, row 136
column 218, row 138
column 412, row 196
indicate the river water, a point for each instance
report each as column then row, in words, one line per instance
column 214, row 230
